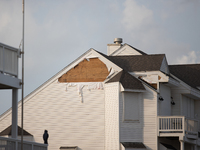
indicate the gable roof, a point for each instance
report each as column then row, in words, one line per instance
column 138, row 62
column 188, row 73
column 141, row 52
column 8, row 131
column 128, row 81
column 122, row 47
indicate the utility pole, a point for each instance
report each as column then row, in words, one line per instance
column 22, row 101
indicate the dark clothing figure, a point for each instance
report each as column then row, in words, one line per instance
column 45, row 137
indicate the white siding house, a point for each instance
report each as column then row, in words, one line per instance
column 126, row 100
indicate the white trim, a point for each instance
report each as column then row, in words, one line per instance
column 122, row 48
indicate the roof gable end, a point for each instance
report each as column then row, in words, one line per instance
column 127, row 50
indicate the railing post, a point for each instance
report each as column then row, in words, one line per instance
column 16, row 145
column 183, row 123
column 3, row 59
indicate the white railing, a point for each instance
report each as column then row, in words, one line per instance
column 9, row 59
column 15, row 144
column 179, row 124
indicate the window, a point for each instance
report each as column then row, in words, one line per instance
column 131, row 106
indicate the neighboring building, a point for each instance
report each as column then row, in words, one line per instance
column 126, row 100
column 9, row 138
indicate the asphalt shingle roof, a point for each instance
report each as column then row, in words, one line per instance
column 138, row 62
column 127, row 80
column 190, row 73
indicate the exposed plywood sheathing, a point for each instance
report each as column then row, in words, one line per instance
column 154, row 85
column 92, row 70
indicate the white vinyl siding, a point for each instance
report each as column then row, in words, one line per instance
column 165, row 105
column 144, row 130
column 188, row 106
column 112, row 116
column 126, row 50
column 131, row 106
column 69, row 121
column 164, row 67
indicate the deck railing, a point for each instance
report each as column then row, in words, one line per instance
column 179, row 124
column 15, row 144
column 9, row 59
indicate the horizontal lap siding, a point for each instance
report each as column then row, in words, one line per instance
column 68, row 121
column 130, row 131
column 177, row 98
column 146, row 129
column 5, row 121
column 150, row 119
column 112, row 116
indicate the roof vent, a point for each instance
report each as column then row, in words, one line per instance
column 118, row 40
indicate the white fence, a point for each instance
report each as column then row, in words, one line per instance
column 15, row 144
column 9, row 59
column 174, row 124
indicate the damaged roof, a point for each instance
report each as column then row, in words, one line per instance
column 128, row 81
column 188, row 73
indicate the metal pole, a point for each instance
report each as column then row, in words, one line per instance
column 22, row 102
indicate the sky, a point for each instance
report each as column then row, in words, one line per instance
column 59, row 31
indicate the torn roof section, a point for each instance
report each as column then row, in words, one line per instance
column 187, row 73
column 128, row 81
column 88, row 70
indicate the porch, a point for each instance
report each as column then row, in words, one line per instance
column 15, row 144
column 178, row 126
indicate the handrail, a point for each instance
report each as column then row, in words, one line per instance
column 177, row 124
column 15, row 144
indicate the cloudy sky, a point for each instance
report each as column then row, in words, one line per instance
column 58, row 31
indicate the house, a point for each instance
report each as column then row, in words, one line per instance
column 126, row 100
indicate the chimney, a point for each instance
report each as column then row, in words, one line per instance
column 113, row 47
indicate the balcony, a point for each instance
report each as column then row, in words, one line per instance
column 15, row 144
column 178, row 126
column 9, row 67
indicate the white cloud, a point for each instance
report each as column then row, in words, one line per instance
column 190, row 58
column 155, row 32
column 136, row 16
